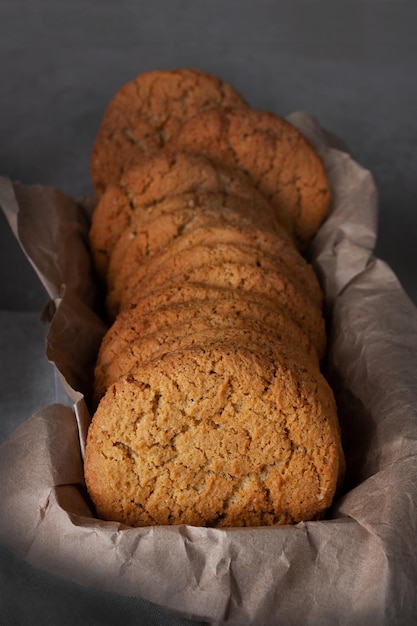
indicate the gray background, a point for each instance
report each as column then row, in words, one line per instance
column 352, row 64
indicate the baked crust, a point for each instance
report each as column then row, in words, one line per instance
column 140, row 254
column 215, row 436
column 161, row 176
column 276, row 157
column 269, row 285
column 146, row 112
column 136, row 338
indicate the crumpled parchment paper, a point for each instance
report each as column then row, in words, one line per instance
column 359, row 566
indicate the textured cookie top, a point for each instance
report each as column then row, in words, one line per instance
column 277, row 158
column 219, row 437
column 163, row 175
column 197, row 248
column 179, row 215
column 272, row 286
column 177, row 303
column 135, row 339
column 201, row 332
column 132, row 259
column 145, row 112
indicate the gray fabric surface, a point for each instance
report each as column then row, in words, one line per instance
column 352, row 64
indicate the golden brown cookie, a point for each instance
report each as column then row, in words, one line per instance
column 271, row 285
column 182, row 292
column 203, row 333
column 134, row 340
column 176, row 217
column 278, row 160
column 215, row 437
column 159, row 268
column 126, row 271
column 160, row 176
column 172, row 306
column 145, row 112
column 162, row 266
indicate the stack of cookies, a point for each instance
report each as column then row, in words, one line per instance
column 210, row 406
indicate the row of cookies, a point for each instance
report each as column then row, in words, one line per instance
column 190, row 110
column 225, row 238
column 212, row 409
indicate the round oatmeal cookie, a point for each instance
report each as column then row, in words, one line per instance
column 182, row 292
column 177, row 216
column 219, row 437
column 176, row 338
column 158, row 177
column 162, row 266
column 172, row 307
column 227, row 266
column 273, row 249
column 271, row 284
column 146, row 112
column 178, row 327
column 277, row 158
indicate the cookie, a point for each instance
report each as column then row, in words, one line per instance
column 177, row 216
column 276, row 157
column 215, row 437
column 126, row 271
column 183, row 292
column 171, row 328
column 146, row 112
column 270, row 285
column 160, row 267
column 160, row 176
column 204, row 332
column 169, row 307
